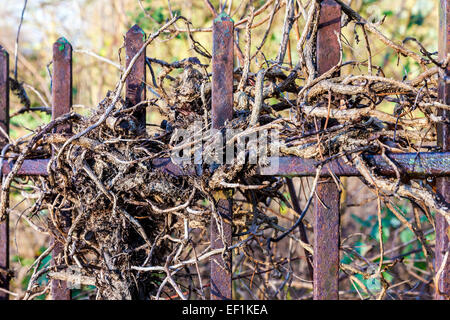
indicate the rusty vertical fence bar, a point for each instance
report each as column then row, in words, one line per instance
column 221, row 111
column 135, row 83
column 326, row 204
column 61, row 104
column 443, row 131
column 4, row 123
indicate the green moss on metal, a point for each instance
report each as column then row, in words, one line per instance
column 223, row 17
column 143, row 35
column 62, row 43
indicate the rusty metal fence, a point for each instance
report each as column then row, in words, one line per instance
column 326, row 207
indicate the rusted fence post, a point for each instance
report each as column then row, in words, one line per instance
column 135, row 83
column 135, row 90
column 443, row 184
column 222, row 110
column 61, row 104
column 4, row 123
column 326, row 205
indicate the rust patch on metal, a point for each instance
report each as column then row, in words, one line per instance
column 326, row 211
column 412, row 165
column 62, row 81
column 222, row 69
column 326, row 241
column 222, row 110
column 30, row 167
column 327, row 43
column 61, row 104
column 135, row 83
column 221, row 275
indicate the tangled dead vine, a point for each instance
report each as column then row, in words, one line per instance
column 122, row 222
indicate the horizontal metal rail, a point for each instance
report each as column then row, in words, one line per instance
column 414, row 165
